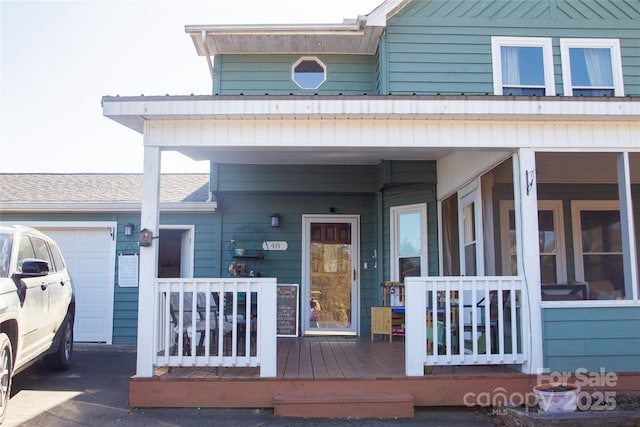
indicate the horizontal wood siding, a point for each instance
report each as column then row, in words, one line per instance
column 247, row 216
column 591, row 338
column 296, row 178
column 271, row 74
column 247, row 195
column 125, row 309
column 125, row 305
column 444, row 47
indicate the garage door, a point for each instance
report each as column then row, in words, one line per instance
column 89, row 254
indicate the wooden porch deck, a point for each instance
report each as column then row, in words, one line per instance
column 323, row 368
column 332, row 358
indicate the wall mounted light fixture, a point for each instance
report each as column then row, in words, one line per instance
column 146, row 237
column 128, row 230
column 275, row 220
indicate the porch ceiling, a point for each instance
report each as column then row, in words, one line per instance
column 310, row 156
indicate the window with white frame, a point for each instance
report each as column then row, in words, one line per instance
column 550, row 235
column 408, row 241
column 597, row 238
column 591, row 67
column 522, row 66
column 309, row 72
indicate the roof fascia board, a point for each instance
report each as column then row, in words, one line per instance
column 141, row 109
column 283, row 29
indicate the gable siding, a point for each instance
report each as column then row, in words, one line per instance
column 271, row 74
column 591, row 338
column 444, row 47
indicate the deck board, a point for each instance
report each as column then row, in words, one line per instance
column 311, row 366
column 305, row 369
column 333, row 369
column 329, row 358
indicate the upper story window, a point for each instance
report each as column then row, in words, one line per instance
column 591, row 67
column 309, row 72
column 522, row 66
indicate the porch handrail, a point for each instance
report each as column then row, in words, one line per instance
column 204, row 322
column 463, row 321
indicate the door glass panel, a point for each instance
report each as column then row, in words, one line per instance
column 331, row 276
column 469, row 236
column 409, row 234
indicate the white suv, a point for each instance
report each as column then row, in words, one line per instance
column 37, row 306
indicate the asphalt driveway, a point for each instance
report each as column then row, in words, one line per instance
column 94, row 392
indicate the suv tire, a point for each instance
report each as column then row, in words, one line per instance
column 60, row 360
column 6, row 365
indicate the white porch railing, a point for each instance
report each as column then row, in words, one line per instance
column 230, row 323
column 463, row 321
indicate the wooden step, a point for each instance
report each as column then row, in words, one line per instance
column 352, row 405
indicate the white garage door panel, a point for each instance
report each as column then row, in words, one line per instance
column 89, row 255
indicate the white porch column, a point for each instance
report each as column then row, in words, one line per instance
column 415, row 331
column 268, row 328
column 526, row 212
column 150, row 219
column 629, row 254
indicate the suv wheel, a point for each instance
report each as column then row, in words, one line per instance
column 6, row 363
column 61, row 359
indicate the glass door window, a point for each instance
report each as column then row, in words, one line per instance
column 408, row 241
column 332, row 276
column 471, row 249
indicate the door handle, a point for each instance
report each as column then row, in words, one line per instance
column 44, row 286
column 354, row 274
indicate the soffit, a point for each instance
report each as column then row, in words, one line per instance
column 346, row 39
column 359, row 36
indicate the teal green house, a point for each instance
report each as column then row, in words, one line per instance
column 477, row 163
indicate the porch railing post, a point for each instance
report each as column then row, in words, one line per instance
column 415, row 326
column 267, row 328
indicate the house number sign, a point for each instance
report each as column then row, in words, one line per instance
column 275, row 246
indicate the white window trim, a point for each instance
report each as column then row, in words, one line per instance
column 470, row 194
column 543, row 205
column 309, row 58
column 616, row 61
column 547, row 58
column 395, row 211
column 578, row 206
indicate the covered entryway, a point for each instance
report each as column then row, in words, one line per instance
column 89, row 251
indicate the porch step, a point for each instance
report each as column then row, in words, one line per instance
column 352, row 405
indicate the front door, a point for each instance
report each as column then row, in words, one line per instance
column 331, row 276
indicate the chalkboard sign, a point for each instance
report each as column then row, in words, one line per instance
column 288, row 306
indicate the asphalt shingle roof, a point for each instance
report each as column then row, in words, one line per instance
column 99, row 188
